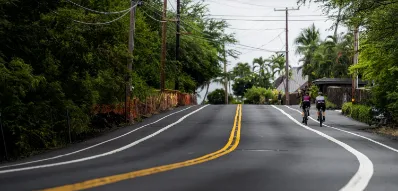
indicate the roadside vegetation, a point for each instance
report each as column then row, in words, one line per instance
column 377, row 23
column 59, row 60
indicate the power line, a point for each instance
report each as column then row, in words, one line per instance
column 255, row 29
column 254, row 47
column 171, row 5
column 240, row 7
column 95, row 11
column 266, row 16
column 153, row 17
column 99, row 23
column 245, row 3
column 266, row 43
column 271, row 19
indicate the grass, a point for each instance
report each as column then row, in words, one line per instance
column 386, row 131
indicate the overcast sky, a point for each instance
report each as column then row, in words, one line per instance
column 273, row 39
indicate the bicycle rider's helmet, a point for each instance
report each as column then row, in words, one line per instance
column 320, row 93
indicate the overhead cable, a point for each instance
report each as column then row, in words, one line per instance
column 152, row 17
column 102, row 23
column 271, row 19
column 100, row 12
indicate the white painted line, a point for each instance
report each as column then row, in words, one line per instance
column 369, row 139
column 67, row 154
column 365, row 171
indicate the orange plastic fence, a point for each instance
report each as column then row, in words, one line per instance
column 151, row 105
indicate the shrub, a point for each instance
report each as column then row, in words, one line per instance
column 357, row 112
column 258, row 95
column 330, row 105
column 346, row 109
column 313, row 91
column 218, row 97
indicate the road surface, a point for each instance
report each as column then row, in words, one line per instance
column 218, row 147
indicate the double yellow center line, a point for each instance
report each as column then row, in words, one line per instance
column 231, row 145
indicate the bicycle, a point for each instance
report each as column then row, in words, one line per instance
column 306, row 114
column 320, row 117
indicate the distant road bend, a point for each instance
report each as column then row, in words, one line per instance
column 218, row 147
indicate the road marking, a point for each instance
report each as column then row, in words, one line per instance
column 369, row 139
column 98, row 144
column 103, row 154
column 365, row 171
column 231, row 145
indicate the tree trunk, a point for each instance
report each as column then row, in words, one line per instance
column 337, row 22
column 207, row 91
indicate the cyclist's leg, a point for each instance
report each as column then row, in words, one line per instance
column 324, row 112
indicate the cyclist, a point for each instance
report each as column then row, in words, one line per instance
column 320, row 105
column 306, row 102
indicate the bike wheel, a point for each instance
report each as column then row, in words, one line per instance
column 305, row 117
column 320, row 118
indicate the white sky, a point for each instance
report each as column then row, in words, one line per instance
column 257, row 38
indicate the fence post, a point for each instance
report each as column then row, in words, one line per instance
column 4, row 140
column 67, row 115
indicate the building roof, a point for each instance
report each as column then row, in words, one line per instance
column 295, row 82
column 336, row 81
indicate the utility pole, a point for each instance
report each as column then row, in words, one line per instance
column 128, row 88
column 178, row 39
column 163, row 57
column 354, row 84
column 226, row 77
column 287, row 52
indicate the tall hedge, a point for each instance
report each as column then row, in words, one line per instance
column 358, row 112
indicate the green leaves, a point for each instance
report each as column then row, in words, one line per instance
column 50, row 63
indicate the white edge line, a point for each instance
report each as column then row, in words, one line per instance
column 365, row 171
column 103, row 154
column 98, row 144
column 369, row 139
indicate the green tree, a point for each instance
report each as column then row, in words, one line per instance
column 258, row 95
column 307, row 43
column 264, row 74
column 217, row 97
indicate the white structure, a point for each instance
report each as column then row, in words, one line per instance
column 296, row 81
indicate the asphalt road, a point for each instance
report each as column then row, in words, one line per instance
column 218, row 147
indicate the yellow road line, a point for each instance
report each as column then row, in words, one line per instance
column 231, row 145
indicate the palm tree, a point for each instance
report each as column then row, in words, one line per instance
column 241, row 70
column 307, row 43
column 278, row 67
column 278, row 62
column 203, row 86
column 264, row 73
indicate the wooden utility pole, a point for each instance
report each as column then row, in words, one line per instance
column 354, row 84
column 178, row 31
column 287, row 52
column 163, row 56
column 128, row 87
column 177, row 84
column 225, row 77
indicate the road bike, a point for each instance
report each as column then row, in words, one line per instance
column 306, row 114
column 320, row 117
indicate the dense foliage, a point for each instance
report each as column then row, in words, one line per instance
column 324, row 58
column 52, row 66
column 259, row 95
column 260, row 74
column 218, row 97
column 359, row 112
column 378, row 60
